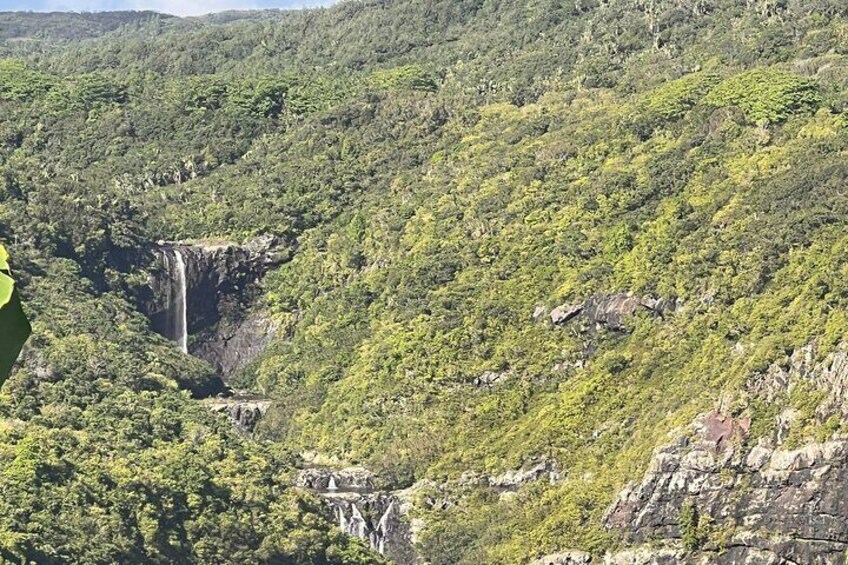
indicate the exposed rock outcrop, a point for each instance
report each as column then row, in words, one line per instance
column 828, row 375
column 565, row 558
column 511, row 481
column 565, row 313
column 656, row 555
column 761, row 505
column 610, row 310
column 244, row 410
column 492, row 378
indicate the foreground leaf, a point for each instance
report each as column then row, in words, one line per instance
column 14, row 326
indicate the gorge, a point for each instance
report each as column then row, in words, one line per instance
column 200, row 297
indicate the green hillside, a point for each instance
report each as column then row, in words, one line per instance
column 445, row 175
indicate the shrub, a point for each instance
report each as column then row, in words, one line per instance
column 766, row 94
column 670, row 101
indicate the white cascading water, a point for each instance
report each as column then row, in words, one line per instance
column 166, row 261
column 332, row 485
column 342, row 520
column 357, row 526
column 175, row 325
column 181, row 324
column 383, row 524
column 382, row 532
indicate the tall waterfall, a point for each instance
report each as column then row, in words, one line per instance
column 182, row 302
column 176, row 303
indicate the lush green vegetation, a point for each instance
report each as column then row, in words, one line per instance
column 444, row 168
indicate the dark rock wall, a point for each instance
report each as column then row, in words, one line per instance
column 222, row 282
column 233, row 343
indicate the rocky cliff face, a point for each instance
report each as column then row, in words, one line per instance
column 221, row 282
column 233, row 343
column 715, row 494
column 377, row 517
column 244, row 410
column 739, row 505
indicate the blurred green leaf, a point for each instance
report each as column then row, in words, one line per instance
column 14, row 326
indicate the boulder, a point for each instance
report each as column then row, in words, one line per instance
column 610, row 310
column 563, row 314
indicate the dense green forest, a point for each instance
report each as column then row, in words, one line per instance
column 446, row 173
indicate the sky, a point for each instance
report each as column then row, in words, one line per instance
column 176, row 7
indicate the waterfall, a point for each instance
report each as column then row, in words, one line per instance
column 357, row 526
column 383, row 524
column 332, row 485
column 166, row 261
column 342, row 521
column 182, row 302
column 175, row 324
column 380, row 533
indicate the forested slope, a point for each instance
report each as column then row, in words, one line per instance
column 528, row 244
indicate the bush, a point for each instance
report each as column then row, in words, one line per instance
column 766, row 94
column 671, row 101
column 409, row 77
column 694, row 528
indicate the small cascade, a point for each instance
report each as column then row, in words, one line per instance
column 361, row 510
column 342, row 520
column 378, row 537
column 357, row 526
column 383, row 524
